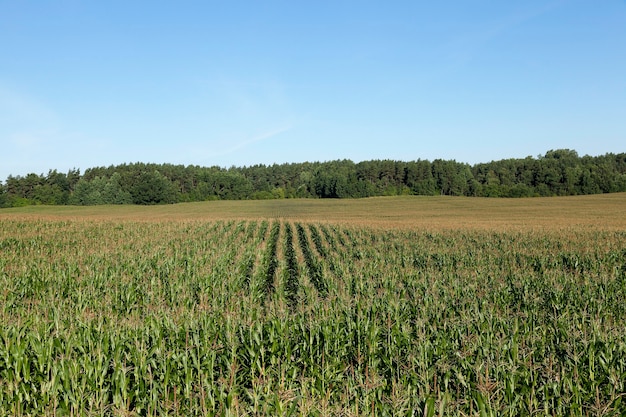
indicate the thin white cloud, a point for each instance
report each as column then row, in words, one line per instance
column 255, row 139
column 39, row 150
column 463, row 48
column 17, row 108
column 31, row 140
column 204, row 152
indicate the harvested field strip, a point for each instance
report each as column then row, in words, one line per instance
column 598, row 212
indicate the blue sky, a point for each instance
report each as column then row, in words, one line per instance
column 86, row 83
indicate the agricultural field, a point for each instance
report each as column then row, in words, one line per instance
column 382, row 307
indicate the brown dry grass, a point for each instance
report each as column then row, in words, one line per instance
column 606, row 212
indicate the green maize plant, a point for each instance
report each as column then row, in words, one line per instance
column 273, row 317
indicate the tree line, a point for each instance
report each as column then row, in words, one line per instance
column 557, row 173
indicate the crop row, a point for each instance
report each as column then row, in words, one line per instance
column 270, row 260
column 315, row 271
column 292, row 274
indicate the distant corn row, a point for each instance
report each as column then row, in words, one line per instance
column 280, row 318
column 315, row 272
column 270, row 260
column 292, row 274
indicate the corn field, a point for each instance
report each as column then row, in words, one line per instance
column 286, row 317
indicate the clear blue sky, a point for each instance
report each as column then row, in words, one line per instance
column 95, row 83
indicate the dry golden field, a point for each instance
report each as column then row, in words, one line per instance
column 606, row 212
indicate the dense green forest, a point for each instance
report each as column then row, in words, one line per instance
column 557, row 173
